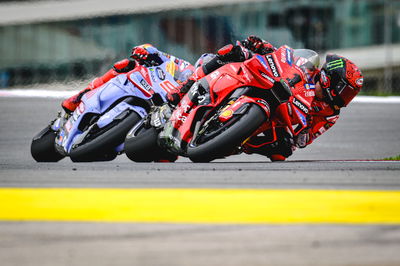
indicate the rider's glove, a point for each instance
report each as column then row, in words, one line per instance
column 258, row 45
column 140, row 54
column 124, row 66
column 302, row 139
column 233, row 53
column 174, row 97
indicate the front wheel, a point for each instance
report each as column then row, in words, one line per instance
column 43, row 146
column 100, row 144
column 221, row 139
column 143, row 147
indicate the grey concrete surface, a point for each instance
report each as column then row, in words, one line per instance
column 49, row 244
column 365, row 131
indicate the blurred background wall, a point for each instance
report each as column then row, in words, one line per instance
column 43, row 42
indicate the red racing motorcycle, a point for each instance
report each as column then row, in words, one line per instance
column 223, row 110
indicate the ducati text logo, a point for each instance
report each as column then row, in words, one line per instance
column 272, row 65
column 264, row 103
column 267, row 77
column 300, row 105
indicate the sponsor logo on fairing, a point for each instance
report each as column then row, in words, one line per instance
column 332, row 119
column 286, row 56
column 289, row 107
column 267, row 77
column 289, row 56
column 283, row 56
column 302, row 117
column 152, row 75
column 309, row 86
column 309, row 93
column 145, row 85
column 265, row 104
column 300, row 105
column 272, row 65
column 160, row 73
column 261, row 59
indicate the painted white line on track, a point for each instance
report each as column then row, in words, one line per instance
column 349, row 161
column 377, row 99
column 37, row 93
column 66, row 93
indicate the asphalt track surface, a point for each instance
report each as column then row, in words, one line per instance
column 346, row 158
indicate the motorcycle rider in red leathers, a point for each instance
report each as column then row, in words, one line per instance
column 145, row 54
column 336, row 84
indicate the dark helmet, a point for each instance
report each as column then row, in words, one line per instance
column 340, row 79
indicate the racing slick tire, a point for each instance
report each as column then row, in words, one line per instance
column 231, row 135
column 100, row 145
column 143, row 147
column 43, row 146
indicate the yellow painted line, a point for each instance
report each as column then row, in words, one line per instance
column 253, row 206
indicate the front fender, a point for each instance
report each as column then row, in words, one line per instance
column 237, row 107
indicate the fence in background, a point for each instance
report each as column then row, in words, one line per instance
column 79, row 49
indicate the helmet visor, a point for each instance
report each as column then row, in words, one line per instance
column 345, row 92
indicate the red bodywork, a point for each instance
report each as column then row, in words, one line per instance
column 261, row 72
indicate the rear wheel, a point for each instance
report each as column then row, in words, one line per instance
column 43, row 146
column 100, row 144
column 220, row 139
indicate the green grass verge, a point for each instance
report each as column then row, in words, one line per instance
column 394, row 158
